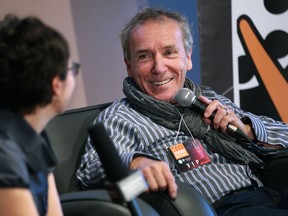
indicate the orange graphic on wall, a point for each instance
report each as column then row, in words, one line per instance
column 268, row 68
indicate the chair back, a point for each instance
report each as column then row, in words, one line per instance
column 68, row 133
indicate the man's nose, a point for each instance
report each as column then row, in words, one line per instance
column 159, row 64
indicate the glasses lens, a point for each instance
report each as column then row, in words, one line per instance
column 75, row 68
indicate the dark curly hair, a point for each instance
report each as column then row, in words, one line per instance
column 31, row 55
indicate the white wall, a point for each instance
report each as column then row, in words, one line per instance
column 91, row 28
column 97, row 24
column 58, row 15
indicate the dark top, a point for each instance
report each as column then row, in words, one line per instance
column 26, row 158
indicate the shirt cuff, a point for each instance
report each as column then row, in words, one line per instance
column 258, row 127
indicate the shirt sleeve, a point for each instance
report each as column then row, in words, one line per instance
column 13, row 169
column 127, row 141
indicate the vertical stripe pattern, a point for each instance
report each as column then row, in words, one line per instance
column 133, row 133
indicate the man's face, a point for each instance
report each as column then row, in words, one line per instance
column 158, row 61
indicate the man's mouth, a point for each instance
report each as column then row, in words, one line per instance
column 161, row 82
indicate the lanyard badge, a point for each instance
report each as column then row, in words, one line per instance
column 188, row 155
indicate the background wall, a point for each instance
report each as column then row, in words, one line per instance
column 97, row 25
column 91, row 28
column 57, row 14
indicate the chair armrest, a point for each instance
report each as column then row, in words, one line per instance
column 275, row 174
column 98, row 202
column 188, row 202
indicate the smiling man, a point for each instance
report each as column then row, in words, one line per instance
column 167, row 142
column 159, row 61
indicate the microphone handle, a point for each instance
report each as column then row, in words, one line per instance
column 108, row 155
column 111, row 161
column 200, row 107
column 134, row 208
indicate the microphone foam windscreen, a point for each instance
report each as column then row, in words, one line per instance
column 184, row 97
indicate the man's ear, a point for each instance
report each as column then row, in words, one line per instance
column 189, row 61
column 128, row 67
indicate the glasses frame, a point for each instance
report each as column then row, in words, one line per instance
column 75, row 68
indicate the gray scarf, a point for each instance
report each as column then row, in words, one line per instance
column 167, row 115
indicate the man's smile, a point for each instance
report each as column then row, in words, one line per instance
column 161, row 82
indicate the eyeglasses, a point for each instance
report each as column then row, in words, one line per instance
column 75, row 68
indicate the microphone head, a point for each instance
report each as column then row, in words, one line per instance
column 185, row 97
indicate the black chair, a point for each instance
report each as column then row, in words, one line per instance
column 275, row 175
column 68, row 133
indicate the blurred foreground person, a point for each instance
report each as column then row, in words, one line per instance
column 37, row 81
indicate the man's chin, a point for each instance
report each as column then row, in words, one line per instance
column 166, row 98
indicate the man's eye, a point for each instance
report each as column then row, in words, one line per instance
column 144, row 57
column 170, row 52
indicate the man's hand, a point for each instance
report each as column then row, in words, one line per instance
column 157, row 175
column 223, row 117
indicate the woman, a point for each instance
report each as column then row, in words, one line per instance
column 36, row 83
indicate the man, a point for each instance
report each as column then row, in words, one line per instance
column 36, row 83
column 154, row 134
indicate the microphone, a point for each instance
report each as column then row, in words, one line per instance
column 128, row 184
column 186, row 98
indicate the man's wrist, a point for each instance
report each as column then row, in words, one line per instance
column 249, row 129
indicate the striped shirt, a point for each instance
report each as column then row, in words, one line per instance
column 134, row 133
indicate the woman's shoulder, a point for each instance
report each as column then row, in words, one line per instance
column 14, row 172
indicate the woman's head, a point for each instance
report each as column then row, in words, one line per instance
column 31, row 55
